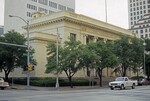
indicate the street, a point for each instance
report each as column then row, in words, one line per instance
column 141, row 93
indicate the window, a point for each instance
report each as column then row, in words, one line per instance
column 61, row 7
column 134, row 18
column 141, row 36
column 42, row 10
column 141, row 31
column 29, row 14
column 44, row 2
column 145, row 30
column 31, row 7
column 34, row 0
column 73, row 36
column 134, row 13
column 89, row 39
column 70, row 9
column 52, row 4
column 130, row 1
column 51, row 12
column 146, row 35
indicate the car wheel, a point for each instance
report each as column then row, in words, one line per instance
column 133, row 86
column 122, row 87
column 112, row 88
column 2, row 88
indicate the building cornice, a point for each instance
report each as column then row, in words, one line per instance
column 77, row 19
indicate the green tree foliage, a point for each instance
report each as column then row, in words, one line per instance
column 11, row 56
column 123, row 49
column 107, row 59
column 147, row 58
column 130, row 54
column 137, row 54
column 99, row 55
column 69, row 58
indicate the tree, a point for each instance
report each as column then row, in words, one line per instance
column 107, row 59
column 147, row 58
column 69, row 59
column 100, row 56
column 137, row 55
column 88, row 59
column 11, row 56
column 123, row 50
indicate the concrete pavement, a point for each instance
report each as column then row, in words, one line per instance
column 24, row 87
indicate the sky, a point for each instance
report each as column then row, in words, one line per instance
column 117, row 11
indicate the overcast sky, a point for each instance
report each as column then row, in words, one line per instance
column 117, row 11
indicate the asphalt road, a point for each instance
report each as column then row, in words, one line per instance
column 141, row 93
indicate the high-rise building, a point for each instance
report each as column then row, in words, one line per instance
column 25, row 8
column 1, row 30
column 138, row 12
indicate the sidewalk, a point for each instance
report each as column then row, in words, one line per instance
column 24, row 87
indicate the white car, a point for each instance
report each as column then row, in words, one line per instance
column 3, row 84
column 122, row 83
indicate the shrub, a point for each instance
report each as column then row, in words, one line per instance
column 50, row 82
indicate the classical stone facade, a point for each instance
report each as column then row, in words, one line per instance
column 44, row 28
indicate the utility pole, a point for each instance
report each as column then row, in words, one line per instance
column 28, row 46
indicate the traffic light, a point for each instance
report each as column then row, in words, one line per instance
column 30, row 67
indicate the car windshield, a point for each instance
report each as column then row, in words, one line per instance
column 119, row 79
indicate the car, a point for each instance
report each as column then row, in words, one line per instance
column 122, row 83
column 3, row 84
column 143, row 81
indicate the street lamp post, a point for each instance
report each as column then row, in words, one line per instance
column 28, row 46
column 144, row 71
column 57, row 79
column 106, row 9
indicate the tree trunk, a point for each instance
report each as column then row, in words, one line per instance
column 6, row 76
column 124, row 71
column 137, row 75
column 99, row 71
column 148, row 78
column 100, row 81
column 70, row 81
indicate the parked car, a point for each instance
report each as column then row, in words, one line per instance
column 143, row 81
column 3, row 84
column 122, row 83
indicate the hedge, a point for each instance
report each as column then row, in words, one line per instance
column 50, row 82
